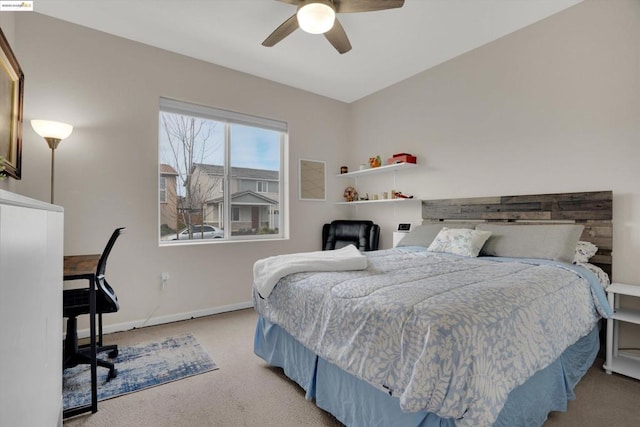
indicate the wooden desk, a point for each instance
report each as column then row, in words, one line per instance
column 80, row 266
column 83, row 267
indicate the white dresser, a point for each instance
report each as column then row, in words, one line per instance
column 31, row 257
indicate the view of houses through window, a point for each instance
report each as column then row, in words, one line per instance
column 220, row 174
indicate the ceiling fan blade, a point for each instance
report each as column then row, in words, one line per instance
column 286, row 28
column 353, row 6
column 293, row 2
column 338, row 38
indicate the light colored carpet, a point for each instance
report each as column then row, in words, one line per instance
column 246, row 392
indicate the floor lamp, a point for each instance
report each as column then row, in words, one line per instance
column 53, row 133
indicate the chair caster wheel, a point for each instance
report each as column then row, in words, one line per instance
column 113, row 373
column 113, row 354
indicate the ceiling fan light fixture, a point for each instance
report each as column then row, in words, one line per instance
column 316, row 17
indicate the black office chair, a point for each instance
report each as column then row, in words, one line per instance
column 363, row 234
column 76, row 302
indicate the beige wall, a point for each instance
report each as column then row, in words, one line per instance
column 554, row 107
column 107, row 170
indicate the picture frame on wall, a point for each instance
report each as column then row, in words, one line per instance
column 312, row 180
column 11, row 99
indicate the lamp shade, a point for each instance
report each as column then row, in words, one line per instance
column 49, row 129
column 316, row 17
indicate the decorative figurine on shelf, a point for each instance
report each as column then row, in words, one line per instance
column 350, row 194
column 344, row 169
column 399, row 195
column 374, row 162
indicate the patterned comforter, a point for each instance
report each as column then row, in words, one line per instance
column 445, row 334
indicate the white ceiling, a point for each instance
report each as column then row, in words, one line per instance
column 388, row 46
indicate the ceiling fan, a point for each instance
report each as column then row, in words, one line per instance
column 319, row 17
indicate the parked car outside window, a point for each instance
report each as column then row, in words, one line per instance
column 201, row 232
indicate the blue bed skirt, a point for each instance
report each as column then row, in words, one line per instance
column 357, row 403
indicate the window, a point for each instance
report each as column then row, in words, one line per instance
column 163, row 189
column 229, row 173
column 262, row 186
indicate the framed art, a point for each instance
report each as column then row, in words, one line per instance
column 312, row 180
column 11, row 94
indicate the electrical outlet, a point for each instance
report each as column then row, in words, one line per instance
column 165, row 279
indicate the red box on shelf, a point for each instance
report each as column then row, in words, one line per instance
column 402, row 157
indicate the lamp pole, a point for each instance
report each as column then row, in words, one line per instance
column 53, row 144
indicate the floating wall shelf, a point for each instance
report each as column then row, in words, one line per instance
column 380, row 169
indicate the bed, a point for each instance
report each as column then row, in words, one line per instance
column 431, row 334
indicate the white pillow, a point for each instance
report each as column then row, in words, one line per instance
column 424, row 234
column 584, row 251
column 459, row 241
column 544, row 241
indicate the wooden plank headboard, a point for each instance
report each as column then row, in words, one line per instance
column 593, row 209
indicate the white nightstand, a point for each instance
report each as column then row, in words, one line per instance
column 397, row 236
column 625, row 364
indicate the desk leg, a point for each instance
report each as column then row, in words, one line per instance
column 92, row 331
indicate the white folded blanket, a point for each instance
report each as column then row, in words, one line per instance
column 267, row 271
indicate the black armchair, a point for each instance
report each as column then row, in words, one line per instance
column 75, row 302
column 363, row 234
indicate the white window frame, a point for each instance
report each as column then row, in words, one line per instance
column 229, row 118
column 264, row 185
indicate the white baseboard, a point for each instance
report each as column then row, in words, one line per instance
column 126, row 326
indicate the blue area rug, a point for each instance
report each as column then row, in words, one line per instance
column 139, row 366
